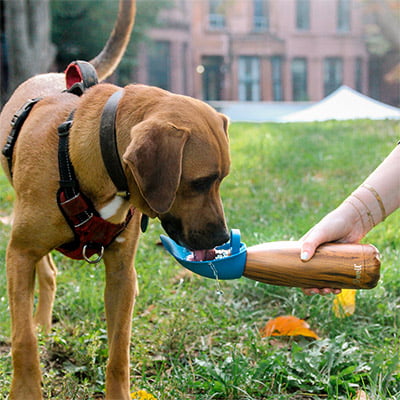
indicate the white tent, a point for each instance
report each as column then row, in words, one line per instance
column 344, row 103
column 258, row 111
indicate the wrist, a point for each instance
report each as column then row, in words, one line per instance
column 350, row 213
column 378, row 201
column 371, row 203
column 368, row 207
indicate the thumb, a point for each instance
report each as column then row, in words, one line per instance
column 307, row 250
column 309, row 244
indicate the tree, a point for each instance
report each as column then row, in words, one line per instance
column 382, row 28
column 80, row 29
column 383, row 40
column 30, row 51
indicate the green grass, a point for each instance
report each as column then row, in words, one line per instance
column 189, row 342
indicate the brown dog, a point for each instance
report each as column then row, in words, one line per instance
column 174, row 154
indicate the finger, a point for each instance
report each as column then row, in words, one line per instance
column 322, row 292
column 310, row 292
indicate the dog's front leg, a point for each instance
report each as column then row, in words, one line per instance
column 26, row 383
column 120, row 293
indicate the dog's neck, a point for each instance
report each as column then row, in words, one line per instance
column 85, row 153
column 109, row 145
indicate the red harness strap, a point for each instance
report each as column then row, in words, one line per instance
column 92, row 233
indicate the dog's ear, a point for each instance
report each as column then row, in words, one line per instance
column 154, row 157
column 225, row 121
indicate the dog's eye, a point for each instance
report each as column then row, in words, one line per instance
column 204, row 184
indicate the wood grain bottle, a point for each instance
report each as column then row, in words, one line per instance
column 334, row 265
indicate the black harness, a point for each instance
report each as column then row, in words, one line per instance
column 16, row 124
column 92, row 233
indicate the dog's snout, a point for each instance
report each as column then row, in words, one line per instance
column 200, row 238
column 213, row 235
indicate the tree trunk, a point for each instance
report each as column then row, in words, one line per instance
column 30, row 50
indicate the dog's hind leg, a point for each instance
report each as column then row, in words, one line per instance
column 26, row 383
column 46, row 272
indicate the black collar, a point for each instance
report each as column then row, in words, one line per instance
column 109, row 146
column 109, row 150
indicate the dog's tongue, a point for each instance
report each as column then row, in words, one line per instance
column 202, row 255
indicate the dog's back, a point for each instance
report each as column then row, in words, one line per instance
column 53, row 83
column 37, row 86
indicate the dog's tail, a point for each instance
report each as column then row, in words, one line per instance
column 108, row 59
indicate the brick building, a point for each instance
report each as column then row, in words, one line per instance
column 257, row 50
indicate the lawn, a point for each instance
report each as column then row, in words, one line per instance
column 189, row 341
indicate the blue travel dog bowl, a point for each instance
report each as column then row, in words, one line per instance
column 226, row 267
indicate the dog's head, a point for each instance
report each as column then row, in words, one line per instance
column 178, row 157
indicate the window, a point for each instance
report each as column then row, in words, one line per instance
column 299, row 79
column 249, row 78
column 260, row 15
column 303, row 15
column 277, row 89
column 216, row 16
column 358, row 71
column 159, row 65
column 212, row 77
column 343, row 15
column 333, row 74
column 375, row 68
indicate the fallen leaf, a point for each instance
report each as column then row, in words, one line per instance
column 148, row 310
column 287, row 326
column 142, row 395
column 344, row 303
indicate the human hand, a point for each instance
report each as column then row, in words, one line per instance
column 341, row 225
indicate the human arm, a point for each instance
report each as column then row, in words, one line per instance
column 377, row 197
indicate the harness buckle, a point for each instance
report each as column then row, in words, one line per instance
column 63, row 129
column 20, row 116
column 90, row 216
column 89, row 260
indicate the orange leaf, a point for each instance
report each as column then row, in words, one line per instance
column 287, row 326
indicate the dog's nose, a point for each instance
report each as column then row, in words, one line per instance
column 221, row 238
column 208, row 238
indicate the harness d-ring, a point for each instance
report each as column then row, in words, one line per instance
column 90, row 261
